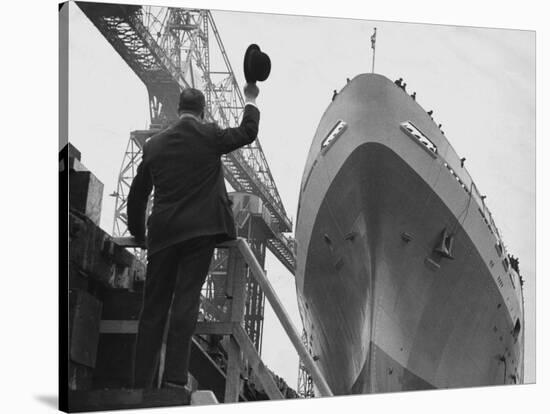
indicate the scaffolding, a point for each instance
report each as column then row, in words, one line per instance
column 305, row 381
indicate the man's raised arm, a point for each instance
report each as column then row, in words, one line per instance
column 230, row 139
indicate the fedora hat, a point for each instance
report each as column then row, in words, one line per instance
column 257, row 64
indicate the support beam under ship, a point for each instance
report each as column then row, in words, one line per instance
column 403, row 280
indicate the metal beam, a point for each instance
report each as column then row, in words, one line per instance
column 284, row 318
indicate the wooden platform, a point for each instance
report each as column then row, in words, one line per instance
column 100, row 400
column 105, row 284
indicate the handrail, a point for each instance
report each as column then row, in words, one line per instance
column 278, row 308
column 452, row 162
column 282, row 315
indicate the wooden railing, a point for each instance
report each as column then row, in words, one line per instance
column 239, row 337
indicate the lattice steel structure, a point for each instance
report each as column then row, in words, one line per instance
column 173, row 48
column 305, row 381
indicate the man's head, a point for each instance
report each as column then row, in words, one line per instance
column 192, row 101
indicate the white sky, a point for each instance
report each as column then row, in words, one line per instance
column 479, row 82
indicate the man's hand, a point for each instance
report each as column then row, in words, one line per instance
column 251, row 91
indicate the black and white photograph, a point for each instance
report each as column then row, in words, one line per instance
column 268, row 205
column 253, row 217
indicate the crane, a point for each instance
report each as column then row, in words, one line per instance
column 174, row 48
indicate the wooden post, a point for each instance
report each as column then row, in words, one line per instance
column 256, row 363
column 236, row 281
column 236, row 290
column 233, row 374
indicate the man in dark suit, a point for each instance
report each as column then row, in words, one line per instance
column 191, row 213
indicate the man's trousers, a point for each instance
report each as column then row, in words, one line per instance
column 174, row 278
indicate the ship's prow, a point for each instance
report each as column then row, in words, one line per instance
column 402, row 278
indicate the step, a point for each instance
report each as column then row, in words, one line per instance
column 116, row 399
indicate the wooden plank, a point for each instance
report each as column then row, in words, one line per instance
column 95, row 400
column 90, row 252
column 233, row 374
column 108, row 326
column 86, row 194
column 230, row 273
column 128, row 242
column 284, row 318
column 236, row 285
column 214, row 328
column 256, row 364
column 85, row 315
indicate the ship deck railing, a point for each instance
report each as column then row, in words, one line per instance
column 453, row 163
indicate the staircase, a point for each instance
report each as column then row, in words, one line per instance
column 105, row 291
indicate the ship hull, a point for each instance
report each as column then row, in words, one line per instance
column 382, row 309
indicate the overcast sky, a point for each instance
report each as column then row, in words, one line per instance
column 479, row 82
